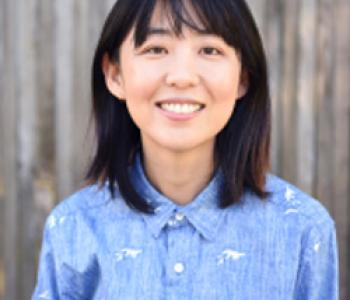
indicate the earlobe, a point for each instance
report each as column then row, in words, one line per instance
column 113, row 77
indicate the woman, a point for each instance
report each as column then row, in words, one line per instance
column 179, row 203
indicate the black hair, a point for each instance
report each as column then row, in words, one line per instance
column 242, row 146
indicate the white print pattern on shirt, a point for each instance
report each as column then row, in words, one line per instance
column 51, row 222
column 289, row 194
column 158, row 209
column 290, row 211
column 229, row 254
column 317, row 247
column 62, row 219
column 44, row 295
column 127, row 252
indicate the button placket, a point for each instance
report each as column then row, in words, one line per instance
column 177, row 249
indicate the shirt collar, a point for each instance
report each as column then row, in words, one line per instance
column 203, row 212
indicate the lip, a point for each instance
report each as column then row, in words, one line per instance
column 179, row 116
column 179, row 101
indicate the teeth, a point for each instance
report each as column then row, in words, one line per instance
column 181, row 108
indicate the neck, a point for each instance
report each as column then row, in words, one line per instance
column 179, row 176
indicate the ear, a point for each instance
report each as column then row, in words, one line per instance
column 243, row 84
column 113, row 77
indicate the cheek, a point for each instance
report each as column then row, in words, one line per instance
column 226, row 91
column 140, row 87
column 224, row 81
column 140, row 83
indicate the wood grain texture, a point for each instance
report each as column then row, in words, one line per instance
column 83, row 54
column 272, row 38
column 46, row 48
column 305, row 96
column 340, row 141
column 26, row 143
column 2, row 154
column 10, row 160
column 64, row 12
column 288, row 145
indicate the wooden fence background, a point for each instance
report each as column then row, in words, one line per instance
column 45, row 55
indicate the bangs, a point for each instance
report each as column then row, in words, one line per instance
column 202, row 16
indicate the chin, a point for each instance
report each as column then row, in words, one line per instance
column 177, row 143
column 182, row 146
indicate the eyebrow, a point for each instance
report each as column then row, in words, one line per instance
column 167, row 32
column 158, row 31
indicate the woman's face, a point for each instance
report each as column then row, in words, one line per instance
column 180, row 91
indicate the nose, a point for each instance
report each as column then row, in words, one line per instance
column 182, row 72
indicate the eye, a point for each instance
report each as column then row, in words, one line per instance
column 211, row 51
column 155, row 50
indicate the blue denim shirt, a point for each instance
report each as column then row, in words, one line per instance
column 95, row 247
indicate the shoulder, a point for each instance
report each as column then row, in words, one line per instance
column 76, row 227
column 90, row 202
column 289, row 217
column 89, row 197
column 294, row 204
column 287, row 210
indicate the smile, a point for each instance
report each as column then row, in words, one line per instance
column 185, row 108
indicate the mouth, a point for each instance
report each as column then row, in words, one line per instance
column 180, row 106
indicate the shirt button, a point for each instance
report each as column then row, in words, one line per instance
column 179, row 216
column 179, row 267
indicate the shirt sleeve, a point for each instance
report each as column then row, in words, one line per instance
column 46, row 286
column 318, row 273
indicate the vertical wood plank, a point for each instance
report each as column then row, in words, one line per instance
column 273, row 45
column 9, row 140
column 64, row 94
column 340, row 142
column 81, row 92
column 288, row 148
column 2, row 148
column 306, row 95
column 324, row 89
column 26, row 143
column 44, row 36
column 44, row 181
